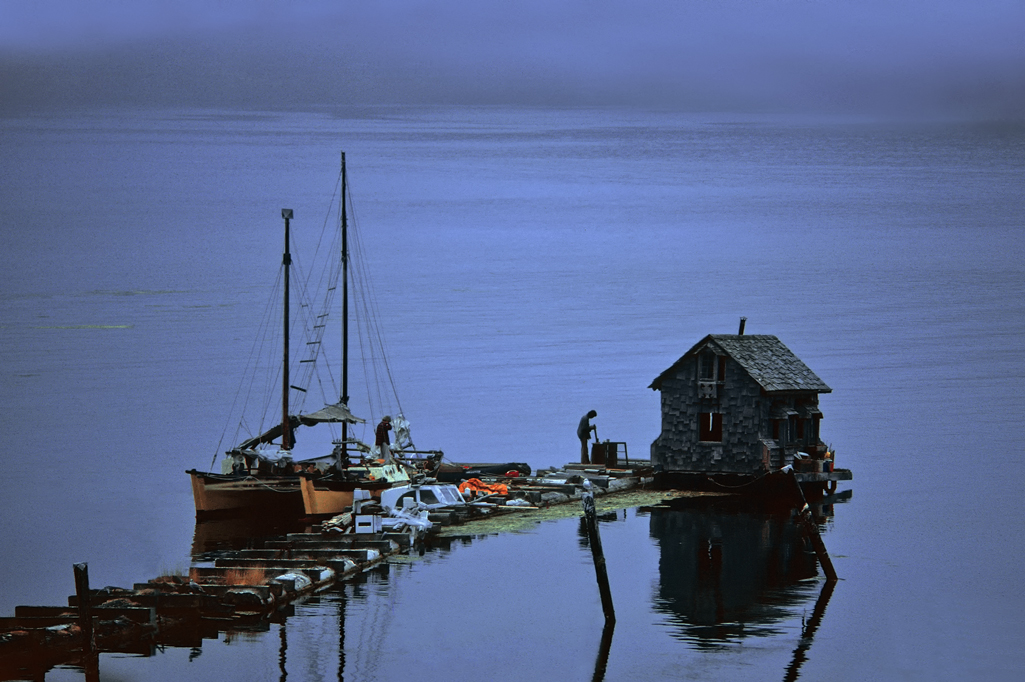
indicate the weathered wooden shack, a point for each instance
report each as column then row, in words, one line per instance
column 737, row 404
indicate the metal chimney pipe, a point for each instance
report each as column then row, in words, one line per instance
column 743, row 321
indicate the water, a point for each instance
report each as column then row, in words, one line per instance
column 530, row 265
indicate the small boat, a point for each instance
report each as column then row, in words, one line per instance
column 429, row 496
column 261, row 473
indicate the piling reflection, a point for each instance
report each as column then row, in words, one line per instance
column 727, row 572
column 602, row 661
column 808, row 632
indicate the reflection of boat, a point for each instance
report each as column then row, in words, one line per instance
column 262, row 474
column 241, row 532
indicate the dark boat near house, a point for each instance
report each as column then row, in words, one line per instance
column 737, row 408
column 448, row 472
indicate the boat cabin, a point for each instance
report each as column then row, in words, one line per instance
column 737, row 404
column 426, row 496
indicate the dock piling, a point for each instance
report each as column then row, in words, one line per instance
column 594, row 539
column 85, row 616
column 813, row 533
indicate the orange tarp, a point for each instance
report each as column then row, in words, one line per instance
column 480, row 486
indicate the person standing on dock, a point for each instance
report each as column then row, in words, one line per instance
column 584, row 434
column 383, row 440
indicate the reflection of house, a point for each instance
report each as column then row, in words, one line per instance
column 736, row 404
column 725, row 574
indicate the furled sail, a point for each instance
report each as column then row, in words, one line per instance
column 335, row 413
column 330, row 413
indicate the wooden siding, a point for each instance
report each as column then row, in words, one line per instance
column 747, row 446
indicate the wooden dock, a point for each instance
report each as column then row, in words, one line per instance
column 252, row 588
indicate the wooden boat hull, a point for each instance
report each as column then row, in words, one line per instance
column 325, row 496
column 223, row 495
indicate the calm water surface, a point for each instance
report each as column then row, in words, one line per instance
column 531, row 265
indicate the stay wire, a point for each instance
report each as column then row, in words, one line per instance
column 372, row 319
column 250, row 371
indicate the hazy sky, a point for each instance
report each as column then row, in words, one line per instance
column 897, row 56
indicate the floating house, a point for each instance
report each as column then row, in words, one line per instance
column 740, row 406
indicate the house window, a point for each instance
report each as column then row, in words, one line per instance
column 706, row 367
column 711, row 367
column 775, row 429
column 710, row 427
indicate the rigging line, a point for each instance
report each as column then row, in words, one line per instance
column 324, row 226
column 373, row 316
column 307, row 330
column 327, row 278
column 250, row 371
column 272, row 386
column 357, row 265
column 262, row 334
column 363, row 364
column 314, row 326
column 367, row 352
column 328, row 304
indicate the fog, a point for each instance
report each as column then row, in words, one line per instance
column 906, row 57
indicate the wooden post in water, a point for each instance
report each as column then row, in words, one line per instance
column 813, row 533
column 594, row 539
column 85, row 614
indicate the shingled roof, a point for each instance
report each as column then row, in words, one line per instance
column 764, row 357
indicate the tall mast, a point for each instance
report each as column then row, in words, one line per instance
column 345, row 312
column 286, row 261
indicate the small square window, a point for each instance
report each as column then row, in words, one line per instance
column 710, row 427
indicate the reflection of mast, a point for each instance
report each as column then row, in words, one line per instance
column 282, row 651
column 808, row 631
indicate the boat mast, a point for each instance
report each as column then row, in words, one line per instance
column 286, row 261
column 345, row 317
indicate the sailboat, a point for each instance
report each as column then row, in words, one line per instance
column 259, row 475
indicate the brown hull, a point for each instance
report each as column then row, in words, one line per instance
column 225, row 495
column 320, row 498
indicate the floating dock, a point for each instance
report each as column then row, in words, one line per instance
column 251, row 588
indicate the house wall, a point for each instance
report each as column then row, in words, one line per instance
column 747, row 445
column 745, row 418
